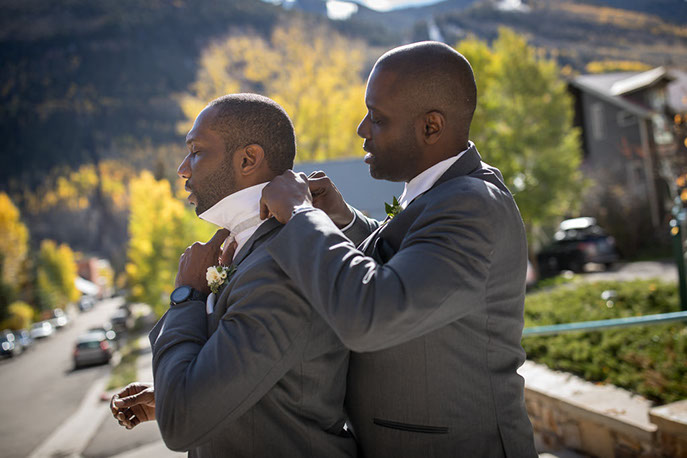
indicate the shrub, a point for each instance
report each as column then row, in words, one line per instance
column 646, row 359
column 20, row 316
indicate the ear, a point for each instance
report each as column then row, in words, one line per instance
column 434, row 124
column 249, row 160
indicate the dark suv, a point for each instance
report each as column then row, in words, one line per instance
column 577, row 242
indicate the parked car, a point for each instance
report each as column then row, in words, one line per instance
column 59, row 319
column 121, row 320
column 577, row 242
column 86, row 303
column 41, row 330
column 24, row 338
column 109, row 333
column 8, row 344
column 92, row 348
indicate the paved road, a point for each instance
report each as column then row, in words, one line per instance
column 627, row 271
column 40, row 390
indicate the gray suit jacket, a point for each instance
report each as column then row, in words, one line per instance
column 263, row 376
column 433, row 306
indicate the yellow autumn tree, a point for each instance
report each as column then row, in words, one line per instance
column 55, row 276
column 13, row 248
column 160, row 229
column 13, row 241
column 524, row 126
column 312, row 71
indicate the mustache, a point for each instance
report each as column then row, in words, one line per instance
column 367, row 147
column 187, row 187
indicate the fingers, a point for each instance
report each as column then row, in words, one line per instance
column 144, row 397
column 319, row 184
column 128, row 419
column 228, row 253
column 218, row 238
column 113, row 409
column 317, row 174
column 127, row 401
column 131, row 388
column 264, row 210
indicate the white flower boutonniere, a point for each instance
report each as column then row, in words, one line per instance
column 218, row 276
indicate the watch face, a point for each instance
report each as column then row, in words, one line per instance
column 180, row 294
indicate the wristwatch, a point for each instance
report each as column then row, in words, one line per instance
column 186, row 293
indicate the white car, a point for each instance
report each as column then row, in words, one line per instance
column 41, row 329
column 59, row 319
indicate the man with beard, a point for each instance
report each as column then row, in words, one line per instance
column 256, row 372
column 432, row 301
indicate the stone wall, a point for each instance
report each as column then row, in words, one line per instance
column 600, row 420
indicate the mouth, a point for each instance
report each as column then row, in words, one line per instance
column 191, row 196
column 369, row 157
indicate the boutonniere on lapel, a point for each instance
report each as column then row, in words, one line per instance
column 217, row 276
column 393, row 209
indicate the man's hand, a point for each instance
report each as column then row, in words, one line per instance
column 134, row 404
column 228, row 252
column 327, row 198
column 194, row 262
column 284, row 194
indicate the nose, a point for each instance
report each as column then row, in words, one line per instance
column 363, row 130
column 184, row 170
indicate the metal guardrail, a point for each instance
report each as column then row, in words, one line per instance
column 604, row 324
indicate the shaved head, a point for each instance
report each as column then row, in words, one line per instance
column 420, row 100
column 433, row 77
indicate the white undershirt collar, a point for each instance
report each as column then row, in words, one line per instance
column 238, row 212
column 426, row 179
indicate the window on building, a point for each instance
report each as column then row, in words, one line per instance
column 596, row 112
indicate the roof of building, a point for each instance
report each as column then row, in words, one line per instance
column 596, row 89
column 640, row 81
column 612, row 86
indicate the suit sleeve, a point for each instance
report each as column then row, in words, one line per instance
column 202, row 383
column 361, row 228
column 444, row 260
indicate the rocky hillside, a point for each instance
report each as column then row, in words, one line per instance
column 86, row 79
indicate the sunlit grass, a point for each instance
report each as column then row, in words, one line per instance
column 125, row 372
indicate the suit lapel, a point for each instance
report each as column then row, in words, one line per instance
column 264, row 229
column 367, row 244
column 467, row 164
column 221, row 304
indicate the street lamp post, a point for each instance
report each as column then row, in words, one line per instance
column 676, row 225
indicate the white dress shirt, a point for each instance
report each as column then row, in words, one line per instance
column 425, row 180
column 240, row 214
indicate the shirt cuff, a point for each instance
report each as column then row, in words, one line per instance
column 349, row 225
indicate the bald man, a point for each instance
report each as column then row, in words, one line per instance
column 432, row 300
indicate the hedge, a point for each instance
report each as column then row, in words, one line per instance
column 650, row 360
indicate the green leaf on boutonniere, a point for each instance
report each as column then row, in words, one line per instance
column 393, row 209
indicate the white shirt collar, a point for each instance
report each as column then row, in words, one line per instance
column 427, row 178
column 238, row 212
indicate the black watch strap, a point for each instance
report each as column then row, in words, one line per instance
column 185, row 294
